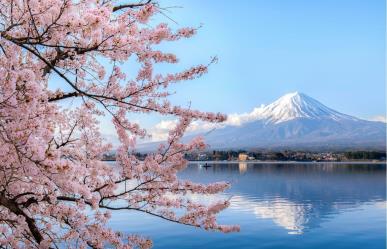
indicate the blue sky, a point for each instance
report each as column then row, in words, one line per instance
column 331, row 50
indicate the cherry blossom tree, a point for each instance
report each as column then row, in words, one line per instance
column 55, row 191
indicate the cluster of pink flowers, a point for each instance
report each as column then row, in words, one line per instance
column 54, row 188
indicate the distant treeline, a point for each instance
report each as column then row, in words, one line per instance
column 218, row 155
column 358, row 155
column 224, row 155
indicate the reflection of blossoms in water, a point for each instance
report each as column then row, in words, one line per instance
column 291, row 216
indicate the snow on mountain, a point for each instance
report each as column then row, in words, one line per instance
column 298, row 121
column 298, row 105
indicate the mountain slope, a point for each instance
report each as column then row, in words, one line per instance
column 299, row 121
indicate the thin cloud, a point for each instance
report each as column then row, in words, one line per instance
column 379, row 118
column 160, row 131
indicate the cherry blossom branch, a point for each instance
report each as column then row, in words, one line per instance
column 12, row 206
column 133, row 5
column 51, row 170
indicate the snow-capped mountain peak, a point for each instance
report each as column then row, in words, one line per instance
column 299, row 122
column 298, row 105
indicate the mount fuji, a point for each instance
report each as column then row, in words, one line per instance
column 297, row 121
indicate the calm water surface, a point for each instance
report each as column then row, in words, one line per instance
column 282, row 206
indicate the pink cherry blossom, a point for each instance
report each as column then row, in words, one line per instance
column 54, row 188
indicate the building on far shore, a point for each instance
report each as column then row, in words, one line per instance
column 242, row 157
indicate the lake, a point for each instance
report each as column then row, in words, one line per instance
column 283, row 206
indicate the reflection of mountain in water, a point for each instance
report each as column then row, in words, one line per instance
column 286, row 214
column 297, row 197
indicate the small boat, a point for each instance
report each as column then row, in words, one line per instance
column 206, row 165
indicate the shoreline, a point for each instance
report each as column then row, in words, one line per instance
column 289, row 162
column 281, row 162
